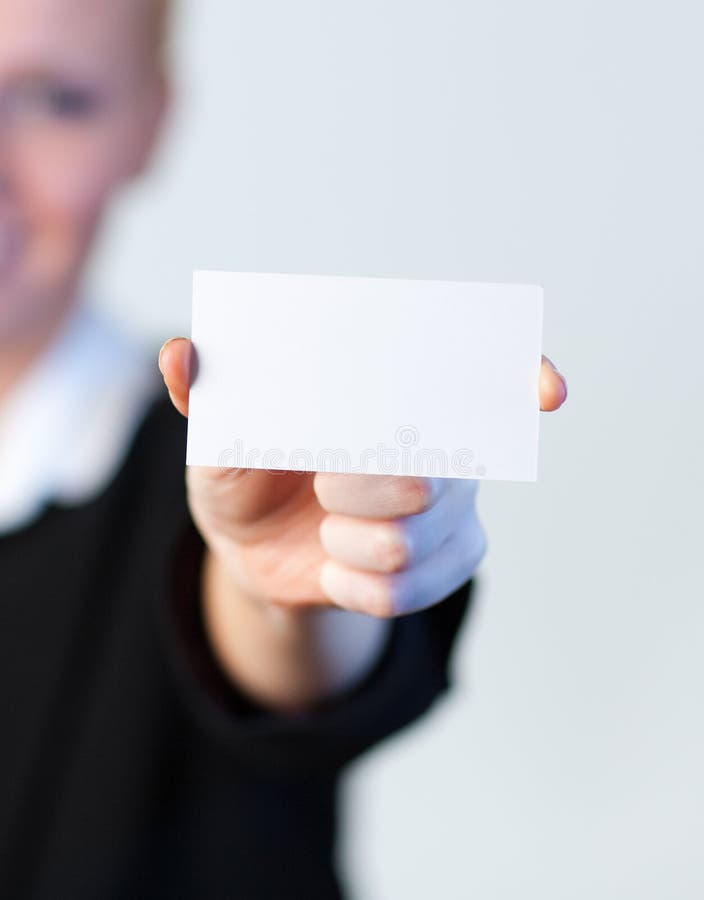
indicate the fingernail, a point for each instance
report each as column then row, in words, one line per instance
column 163, row 347
column 553, row 366
column 185, row 362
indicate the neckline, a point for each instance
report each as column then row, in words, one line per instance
column 68, row 424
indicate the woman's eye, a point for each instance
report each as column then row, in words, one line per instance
column 69, row 102
column 42, row 98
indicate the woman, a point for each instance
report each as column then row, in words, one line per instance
column 184, row 669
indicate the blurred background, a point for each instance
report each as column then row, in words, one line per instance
column 552, row 143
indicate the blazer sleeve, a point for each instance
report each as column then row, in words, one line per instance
column 410, row 674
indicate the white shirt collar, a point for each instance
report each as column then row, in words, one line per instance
column 66, row 427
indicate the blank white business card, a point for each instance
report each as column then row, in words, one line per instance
column 371, row 375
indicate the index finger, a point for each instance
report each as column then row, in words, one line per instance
column 376, row 496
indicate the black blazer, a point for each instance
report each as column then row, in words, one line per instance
column 129, row 766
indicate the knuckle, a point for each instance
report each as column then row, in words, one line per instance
column 379, row 599
column 322, row 486
column 390, row 550
column 326, row 530
column 382, row 609
column 416, row 494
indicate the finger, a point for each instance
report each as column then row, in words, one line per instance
column 553, row 387
column 175, row 364
column 400, row 593
column 378, row 545
column 253, row 501
column 376, row 496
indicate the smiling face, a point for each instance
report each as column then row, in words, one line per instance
column 81, row 97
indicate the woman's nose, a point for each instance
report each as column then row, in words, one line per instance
column 6, row 164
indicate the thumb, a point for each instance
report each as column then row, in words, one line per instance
column 175, row 366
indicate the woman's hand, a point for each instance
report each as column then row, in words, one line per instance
column 383, row 545
column 374, row 544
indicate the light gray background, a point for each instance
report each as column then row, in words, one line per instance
column 559, row 143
